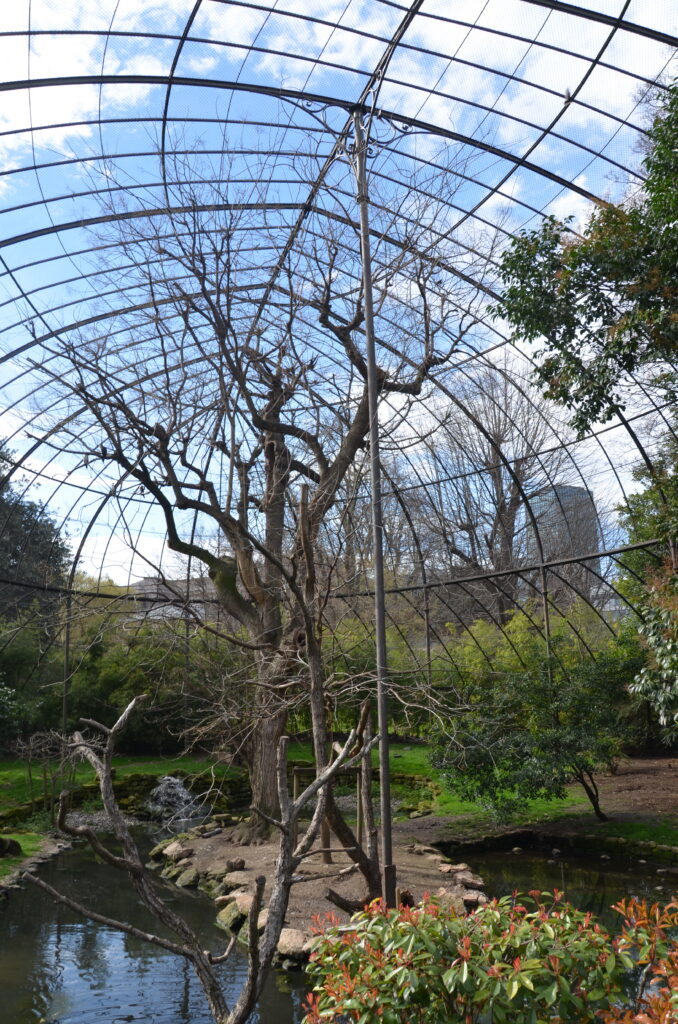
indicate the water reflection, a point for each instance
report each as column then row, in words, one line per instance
column 56, row 968
column 590, row 883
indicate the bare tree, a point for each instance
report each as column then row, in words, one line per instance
column 498, row 447
column 243, row 415
column 228, row 398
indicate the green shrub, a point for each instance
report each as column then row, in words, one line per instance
column 531, row 959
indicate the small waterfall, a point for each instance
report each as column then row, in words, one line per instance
column 170, row 801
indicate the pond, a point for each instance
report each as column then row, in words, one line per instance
column 56, row 968
column 589, row 882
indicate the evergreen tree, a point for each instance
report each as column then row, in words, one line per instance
column 32, row 552
column 604, row 302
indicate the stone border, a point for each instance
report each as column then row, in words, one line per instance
column 229, row 884
column 578, row 842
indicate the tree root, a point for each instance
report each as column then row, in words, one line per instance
column 349, row 906
column 253, row 831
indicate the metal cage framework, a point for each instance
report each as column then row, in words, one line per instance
column 129, row 131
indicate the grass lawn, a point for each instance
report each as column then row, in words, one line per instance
column 14, row 787
column 663, row 833
column 30, row 844
column 405, row 758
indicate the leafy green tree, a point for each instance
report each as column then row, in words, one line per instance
column 649, row 514
column 21, row 652
column 183, row 676
column 484, row 651
column 653, row 513
column 32, row 555
column 606, row 305
column 31, row 663
column 9, row 715
column 605, row 302
column 657, row 681
column 527, row 727
column 32, row 551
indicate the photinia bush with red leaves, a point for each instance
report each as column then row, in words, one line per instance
column 650, row 935
column 531, row 959
column 523, row 958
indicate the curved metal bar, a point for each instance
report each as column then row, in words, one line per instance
column 279, row 92
column 287, row 235
column 589, row 14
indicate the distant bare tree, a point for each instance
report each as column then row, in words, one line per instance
column 495, row 450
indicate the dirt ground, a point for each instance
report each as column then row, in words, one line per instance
column 419, row 871
column 641, row 790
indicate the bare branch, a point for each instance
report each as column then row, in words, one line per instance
column 268, row 819
column 108, row 922
column 222, row 957
column 83, row 832
column 253, row 983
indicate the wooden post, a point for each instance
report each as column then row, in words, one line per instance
column 359, row 804
column 295, row 794
column 325, row 840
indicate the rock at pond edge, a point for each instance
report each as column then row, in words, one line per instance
column 10, row 847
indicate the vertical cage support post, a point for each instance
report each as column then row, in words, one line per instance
column 387, row 865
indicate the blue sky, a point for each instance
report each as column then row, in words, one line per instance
column 457, row 69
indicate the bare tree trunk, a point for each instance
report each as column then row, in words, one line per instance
column 366, row 776
column 263, row 746
column 588, row 783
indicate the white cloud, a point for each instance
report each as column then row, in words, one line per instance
column 130, row 95
column 569, row 204
column 501, row 204
column 57, row 55
column 329, row 42
column 44, row 106
column 135, row 15
column 201, row 65
column 226, row 24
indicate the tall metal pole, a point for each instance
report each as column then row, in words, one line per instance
column 547, row 621
column 67, row 669
column 387, row 865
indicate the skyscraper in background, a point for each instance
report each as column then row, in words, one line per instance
column 569, row 526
